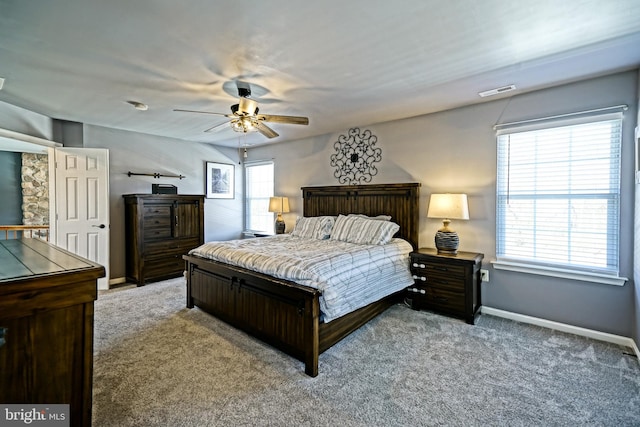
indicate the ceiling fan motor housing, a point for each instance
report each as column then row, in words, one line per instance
column 244, row 92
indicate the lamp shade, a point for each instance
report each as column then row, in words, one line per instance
column 279, row 204
column 448, row 206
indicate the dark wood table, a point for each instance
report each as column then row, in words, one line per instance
column 46, row 312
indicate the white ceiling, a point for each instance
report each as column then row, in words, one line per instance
column 341, row 63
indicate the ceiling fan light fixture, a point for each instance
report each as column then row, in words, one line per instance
column 243, row 124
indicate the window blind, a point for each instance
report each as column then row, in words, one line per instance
column 558, row 193
column 258, row 189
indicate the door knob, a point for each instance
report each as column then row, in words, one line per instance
column 99, row 226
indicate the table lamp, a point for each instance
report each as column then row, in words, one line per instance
column 448, row 206
column 279, row 205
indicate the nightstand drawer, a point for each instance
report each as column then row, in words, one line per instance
column 442, row 299
column 435, row 268
column 453, row 284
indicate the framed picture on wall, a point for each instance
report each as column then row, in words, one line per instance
column 220, row 181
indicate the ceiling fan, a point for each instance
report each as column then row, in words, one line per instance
column 245, row 118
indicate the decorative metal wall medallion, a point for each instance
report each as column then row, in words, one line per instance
column 355, row 156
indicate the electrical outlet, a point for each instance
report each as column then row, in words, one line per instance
column 484, row 274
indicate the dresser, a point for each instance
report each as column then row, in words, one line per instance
column 46, row 320
column 446, row 283
column 159, row 229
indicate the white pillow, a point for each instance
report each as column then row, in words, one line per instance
column 363, row 231
column 313, row 227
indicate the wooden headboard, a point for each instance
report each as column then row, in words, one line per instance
column 401, row 201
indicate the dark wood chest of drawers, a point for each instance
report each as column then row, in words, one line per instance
column 159, row 229
column 446, row 283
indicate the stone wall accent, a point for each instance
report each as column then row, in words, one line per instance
column 35, row 189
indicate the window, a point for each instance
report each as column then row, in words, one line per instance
column 258, row 190
column 558, row 196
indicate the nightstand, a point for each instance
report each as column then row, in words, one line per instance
column 445, row 283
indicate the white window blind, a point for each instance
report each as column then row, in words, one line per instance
column 558, row 194
column 258, row 189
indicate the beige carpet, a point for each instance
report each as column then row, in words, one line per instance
column 160, row 364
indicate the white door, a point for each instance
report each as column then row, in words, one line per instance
column 82, row 204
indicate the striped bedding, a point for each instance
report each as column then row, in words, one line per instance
column 349, row 275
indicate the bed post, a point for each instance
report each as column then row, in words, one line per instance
column 312, row 338
column 187, row 272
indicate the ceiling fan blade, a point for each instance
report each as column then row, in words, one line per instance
column 293, row 120
column 218, row 127
column 265, row 130
column 203, row 112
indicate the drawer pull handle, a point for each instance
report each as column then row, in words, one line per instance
column 415, row 264
column 424, row 279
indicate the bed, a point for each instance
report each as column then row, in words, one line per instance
column 283, row 313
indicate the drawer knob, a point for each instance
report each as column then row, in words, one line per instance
column 415, row 264
column 424, row 279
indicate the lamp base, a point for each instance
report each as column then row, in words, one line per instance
column 280, row 226
column 447, row 242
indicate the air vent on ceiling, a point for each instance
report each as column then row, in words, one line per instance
column 497, row 91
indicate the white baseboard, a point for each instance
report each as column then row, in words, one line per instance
column 563, row 327
column 635, row 349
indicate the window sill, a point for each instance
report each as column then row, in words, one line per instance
column 558, row 272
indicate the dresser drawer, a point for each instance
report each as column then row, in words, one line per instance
column 156, row 233
column 157, row 221
column 172, row 265
column 150, row 211
column 181, row 246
